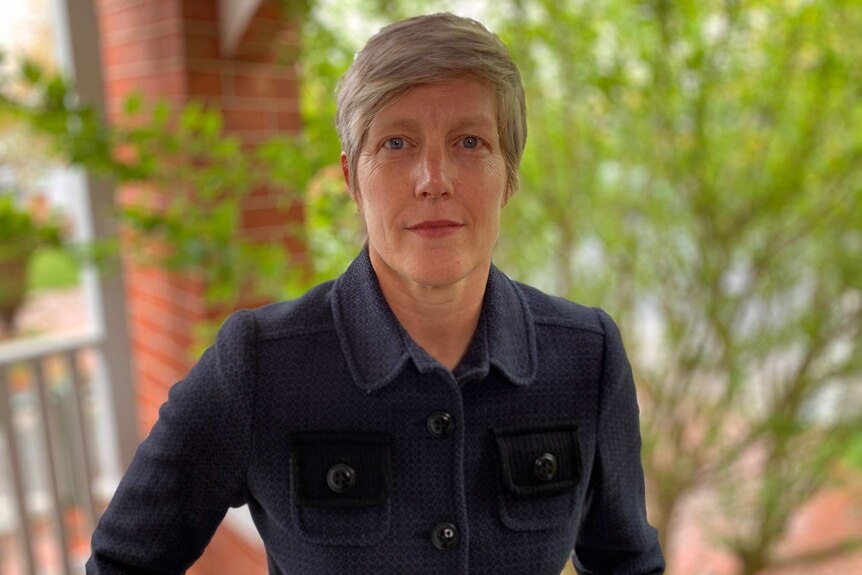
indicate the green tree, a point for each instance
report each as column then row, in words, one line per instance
column 696, row 168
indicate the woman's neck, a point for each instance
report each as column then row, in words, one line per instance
column 441, row 319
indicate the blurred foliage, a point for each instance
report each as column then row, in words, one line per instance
column 52, row 268
column 693, row 167
column 193, row 228
column 696, row 168
column 854, row 453
column 21, row 231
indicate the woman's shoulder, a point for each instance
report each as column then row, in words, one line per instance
column 548, row 309
column 308, row 313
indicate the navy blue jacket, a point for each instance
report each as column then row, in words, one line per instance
column 357, row 452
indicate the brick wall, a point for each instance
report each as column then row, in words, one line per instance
column 169, row 49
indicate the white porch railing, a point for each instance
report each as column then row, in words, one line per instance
column 48, row 454
column 68, row 430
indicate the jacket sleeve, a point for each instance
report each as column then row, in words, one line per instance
column 190, row 469
column 614, row 536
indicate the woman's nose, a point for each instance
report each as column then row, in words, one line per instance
column 433, row 174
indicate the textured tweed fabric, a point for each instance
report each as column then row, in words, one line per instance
column 325, row 418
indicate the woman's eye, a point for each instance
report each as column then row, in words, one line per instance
column 471, row 142
column 394, row 143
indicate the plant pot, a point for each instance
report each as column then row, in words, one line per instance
column 13, row 283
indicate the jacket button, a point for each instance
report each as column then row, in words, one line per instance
column 545, row 467
column 441, row 424
column 444, row 536
column 341, row 478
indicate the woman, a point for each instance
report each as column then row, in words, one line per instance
column 423, row 413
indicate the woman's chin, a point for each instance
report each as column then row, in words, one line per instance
column 436, row 268
column 437, row 272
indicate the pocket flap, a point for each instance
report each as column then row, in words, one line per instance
column 341, row 469
column 539, row 459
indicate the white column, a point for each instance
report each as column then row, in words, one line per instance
column 77, row 35
column 233, row 19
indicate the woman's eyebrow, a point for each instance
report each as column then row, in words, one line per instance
column 396, row 124
column 476, row 121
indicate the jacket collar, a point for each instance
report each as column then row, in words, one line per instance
column 376, row 346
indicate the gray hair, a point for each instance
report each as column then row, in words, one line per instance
column 425, row 50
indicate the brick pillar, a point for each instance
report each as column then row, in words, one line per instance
column 169, row 49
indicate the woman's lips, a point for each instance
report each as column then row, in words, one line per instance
column 435, row 228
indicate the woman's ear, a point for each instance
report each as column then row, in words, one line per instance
column 345, row 170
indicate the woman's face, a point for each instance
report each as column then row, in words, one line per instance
column 432, row 181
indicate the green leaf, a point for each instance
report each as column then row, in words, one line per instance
column 211, row 126
column 161, row 114
column 31, row 71
column 132, row 104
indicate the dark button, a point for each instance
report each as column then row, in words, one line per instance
column 441, row 423
column 341, row 478
column 444, row 536
column 545, row 467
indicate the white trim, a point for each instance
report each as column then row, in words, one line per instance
column 79, row 55
column 234, row 16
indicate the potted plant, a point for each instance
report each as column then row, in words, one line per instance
column 21, row 233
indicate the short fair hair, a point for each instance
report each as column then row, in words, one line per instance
column 426, row 50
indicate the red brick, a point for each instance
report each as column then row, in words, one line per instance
column 147, row 274
column 210, row 65
column 153, row 389
column 147, row 417
column 144, row 50
column 270, row 10
column 170, row 331
column 147, row 33
column 200, row 10
column 257, row 52
column 139, row 15
column 199, row 45
column 262, row 26
column 253, row 85
column 160, row 333
column 264, row 69
column 152, row 386
column 264, row 85
column 263, row 197
column 148, row 414
column 167, row 301
column 174, row 366
column 286, row 88
column 244, row 119
column 266, row 217
column 160, row 292
column 204, row 84
column 289, row 120
column 150, row 86
column 253, row 139
column 191, row 284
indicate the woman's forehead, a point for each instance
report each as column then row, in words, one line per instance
column 463, row 102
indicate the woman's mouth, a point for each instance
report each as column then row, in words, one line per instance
column 435, row 228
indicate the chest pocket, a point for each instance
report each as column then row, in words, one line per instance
column 340, row 484
column 539, row 470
